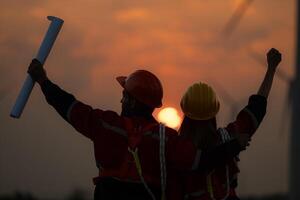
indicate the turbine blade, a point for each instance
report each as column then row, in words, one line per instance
column 227, row 98
column 231, row 25
column 234, row 112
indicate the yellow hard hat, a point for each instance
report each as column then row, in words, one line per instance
column 200, row 102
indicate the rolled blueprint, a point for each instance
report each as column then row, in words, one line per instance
column 44, row 50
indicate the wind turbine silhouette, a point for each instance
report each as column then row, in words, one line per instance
column 293, row 99
column 229, row 100
column 295, row 127
column 233, row 22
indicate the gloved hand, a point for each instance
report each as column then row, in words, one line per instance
column 274, row 58
column 37, row 71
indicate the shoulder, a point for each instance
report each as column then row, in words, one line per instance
column 171, row 132
column 80, row 109
column 109, row 117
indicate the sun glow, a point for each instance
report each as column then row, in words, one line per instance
column 170, row 117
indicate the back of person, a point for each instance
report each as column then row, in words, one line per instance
column 201, row 127
column 122, row 147
column 219, row 183
column 128, row 152
column 216, row 184
column 200, row 107
column 118, row 168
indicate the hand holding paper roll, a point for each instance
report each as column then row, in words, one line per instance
column 37, row 72
column 44, row 50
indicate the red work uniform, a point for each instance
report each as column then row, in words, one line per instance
column 112, row 135
column 115, row 137
column 219, row 183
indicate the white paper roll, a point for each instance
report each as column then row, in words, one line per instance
column 45, row 48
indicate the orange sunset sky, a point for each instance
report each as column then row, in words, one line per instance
column 181, row 41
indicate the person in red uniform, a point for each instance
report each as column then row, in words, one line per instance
column 132, row 150
column 200, row 106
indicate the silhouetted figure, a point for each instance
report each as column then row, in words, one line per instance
column 133, row 151
column 200, row 107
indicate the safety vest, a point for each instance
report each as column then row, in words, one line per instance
column 131, row 169
column 215, row 185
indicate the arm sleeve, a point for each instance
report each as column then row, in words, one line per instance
column 218, row 155
column 82, row 117
column 249, row 119
column 57, row 98
column 183, row 155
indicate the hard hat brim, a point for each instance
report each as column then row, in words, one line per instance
column 121, row 80
column 144, row 86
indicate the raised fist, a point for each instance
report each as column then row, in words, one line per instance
column 274, row 58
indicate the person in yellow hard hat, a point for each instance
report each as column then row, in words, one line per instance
column 200, row 106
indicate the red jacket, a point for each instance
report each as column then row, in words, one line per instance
column 111, row 134
column 219, row 183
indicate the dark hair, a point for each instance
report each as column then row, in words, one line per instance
column 202, row 132
column 133, row 107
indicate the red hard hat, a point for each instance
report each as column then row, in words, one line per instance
column 144, row 86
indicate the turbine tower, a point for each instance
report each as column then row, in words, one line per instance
column 294, row 176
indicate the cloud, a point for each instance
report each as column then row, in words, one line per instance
column 129, row 15
column 179, row 41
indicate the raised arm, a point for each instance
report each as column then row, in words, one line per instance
column 249, row 119
column 55, row 96
column 80, row 116
column 273, row 58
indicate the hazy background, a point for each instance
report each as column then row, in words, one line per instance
column 180, row 41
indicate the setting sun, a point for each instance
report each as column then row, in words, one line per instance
column 170, row 117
